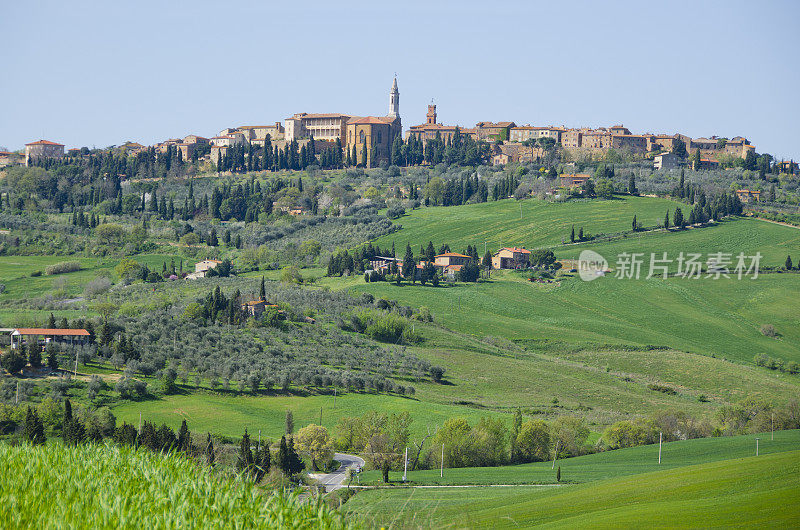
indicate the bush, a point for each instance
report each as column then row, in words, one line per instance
column 768, row 330
column 96, row 287
column 662, row 388
column 62, row 267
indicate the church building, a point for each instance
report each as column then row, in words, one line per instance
column 371, row 137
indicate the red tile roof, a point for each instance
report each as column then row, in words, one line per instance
column 452, row 254
column 371, row 120
column 515, row 249
column 56, row 332
column 45, row 142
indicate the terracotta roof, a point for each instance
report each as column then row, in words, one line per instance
column 371, row 120
column 454, row 267
column 45, row 142
column 6, row 153
column 56, row 332
column 452, row 254
column 515, row 249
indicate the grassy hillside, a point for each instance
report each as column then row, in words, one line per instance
column 542, row 223
column 773, row 241
column 751, row 491
column 721, row 317
column 609, row 464
column 97, row 486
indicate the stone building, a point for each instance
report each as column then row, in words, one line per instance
column 527, row 132
column 666, row 161
column 321, row 126
column 372, row 136
column 489, row 131
column 430, row 129
column 43, row 149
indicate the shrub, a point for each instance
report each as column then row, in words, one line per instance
column 768, row 330
column 34, row 274
column 62, row 267
column 96, row 287
column 662, row 388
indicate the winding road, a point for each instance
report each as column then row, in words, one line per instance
column 334, row 481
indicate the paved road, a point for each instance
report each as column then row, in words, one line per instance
column 335, row 480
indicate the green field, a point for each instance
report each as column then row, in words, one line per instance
column 541, row 223
column 721, row 317
column 608, row 464
column 230, row 414
column 732, row 236
column 751, row 491
column 15, row 274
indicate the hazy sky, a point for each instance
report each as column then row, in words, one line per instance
column 98, row 74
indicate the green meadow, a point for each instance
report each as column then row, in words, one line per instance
column 752, row 491
column 731, row 236
column 714, row 317
column 229, row 414
column 608, row 464
column 530, row 223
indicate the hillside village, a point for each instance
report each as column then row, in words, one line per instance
column 335, row 140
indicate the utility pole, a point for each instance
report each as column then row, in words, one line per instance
column 76, row 364
column 140, row 425
column 660, row 438
column 756, row 446
column 772, row 427
column 441, row 469
column 259, row 437
column 334, row 399
column 320, row 415
column 405, row 465
column 16, row 400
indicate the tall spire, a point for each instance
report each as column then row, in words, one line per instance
column 394, row 100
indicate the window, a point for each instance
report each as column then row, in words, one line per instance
column 361, row 136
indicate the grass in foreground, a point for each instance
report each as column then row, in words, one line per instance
column 753, row 491
column 99, row 486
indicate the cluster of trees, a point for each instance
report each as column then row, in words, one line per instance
column 343, row 262
column 459, row 149
column 454, row 191
column 762, row 359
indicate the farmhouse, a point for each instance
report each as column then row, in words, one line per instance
column 511, row 258
column 747, row 196
column 451, row 258
column 383, row 263
column 256, row 307
column 201, row 268
column 574, row 180
column 39, row 335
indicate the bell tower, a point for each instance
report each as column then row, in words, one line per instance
column 431, row 113
column 394, row 100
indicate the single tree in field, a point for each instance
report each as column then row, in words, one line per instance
column 33, row 429
column 487, row 260
column 788, row 263
column 315, row 441
column 558, row 474
column 408, row 263
column 634, row 224
column 632, row 185
column 244, row 460
column 263, row 292
column 184, row 438
column 572, row 235
column 289, row 422
column 666, row 220
column 677, row 218
column 52, row 360
column 35, row 356
column 211, row 455
column 580, row 234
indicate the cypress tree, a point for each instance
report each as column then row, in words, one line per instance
column 33, row 429
column 666, row 220
column 283, row 457
column 184, row 438
column 263, row 291
column 572, row 235
column 35, row 356
column 211, row 455
column 788, row 263
column 634, row 224
column 558, row 474
column 244, row 460
column 289, row 422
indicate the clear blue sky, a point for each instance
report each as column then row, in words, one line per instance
column 98, row 74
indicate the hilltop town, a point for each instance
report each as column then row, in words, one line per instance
column 335, row 139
